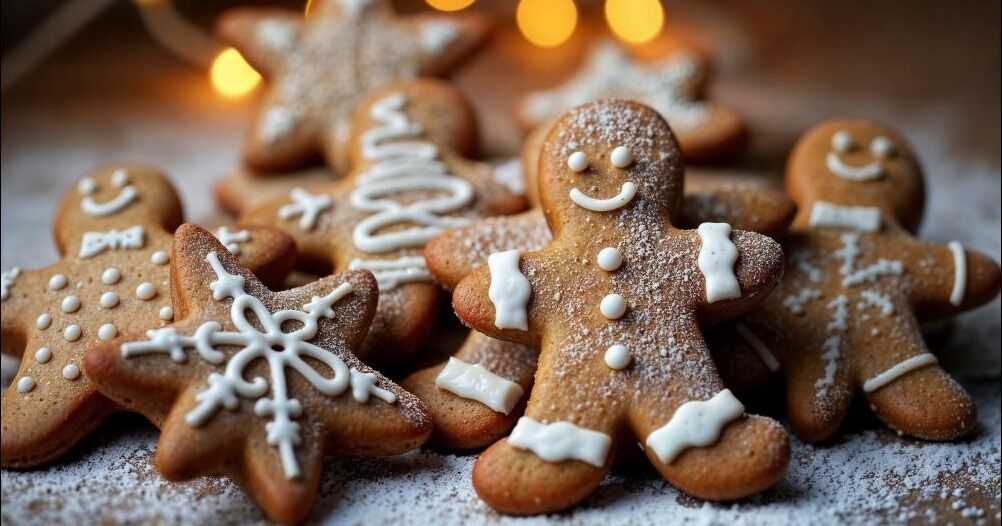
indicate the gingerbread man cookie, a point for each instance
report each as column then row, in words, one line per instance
column 614, row 303
column 673, row 86
column 114, row 232
column 319, row 68
column 475, row 395
column 845, row 318
column 258, row 385
column 409, row 181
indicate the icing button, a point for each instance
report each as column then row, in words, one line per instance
column 71, row 372
column 613, row 306
column 25, row 384
column 609, row 259
column 146, row 291
column 617, row 357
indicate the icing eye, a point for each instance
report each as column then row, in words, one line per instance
column 578, row 162
column 621, row 157
column 881, row 147
column 842, row 141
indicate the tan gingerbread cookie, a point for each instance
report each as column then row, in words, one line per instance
column 615, row 304
column 255, row 384
column 319, row 68
column 114, row 232
column 410, row 180
column 845, row 318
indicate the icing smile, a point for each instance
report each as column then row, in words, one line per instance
column 867, row 172
column 625, row 195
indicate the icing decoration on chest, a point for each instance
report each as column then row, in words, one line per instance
column 107, row 332
column 109, row 300
column 831, row 215
column 7, row 280
column 282, row 351
column 509, row 291
column 25, row 384
column 146, row 291
column 71, row 372
column 127, row 194
column 306, row 206
column 43, row 321
column 623, row 198
column 959, row 273
column 609, row 259
column 560, row 441
column 43, row 355
column 612, row 306
column 232, row 239
column 717, row 255
column 617, row 357
column 72, row 333
column 58, row 282
column 475, row 382
column 94, row 243
column 402, row 163
column 111, row 276
column 391, row 273
column 166, row 313
column 906, row 366
column 70, row 304
column 757, row 345
column 696, row 423
column 160, row 258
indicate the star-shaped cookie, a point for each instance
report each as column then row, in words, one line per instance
column 319, row 68
column 255, row 384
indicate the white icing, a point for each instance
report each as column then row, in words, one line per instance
column 72, row 333
column 617, row 357
column 87, row 186
column 166, row 313
column 58, row 282
column 959, row 273
column 697, row 423
column 277, row 34
column 160, row 257
column 43, row 321
column 70, row 304
column 577, row 162
column 232, row 239
column 280, row 350
column 898, row 371
column 391, row 273
column 107, row 332
column 560, row 441
column 609, row 259
column 108, row 300
column 355, row 7
column 43, row 355
column 111, row 276
column 883, row 267
column 127, row 194
column 861, row 218
column 363, row 385
column 25, row 384
column 876, row 299
column 623, row 198
column 94, row 243
column 278, row 123
column 509, row 175
column 882, row 147
column 613, row 306
column 758, row 346
column 842, row 141
column 146, row 291
column 437, row 35
column 717, row 255
column 509, row 291
column 867, row 172
column 796, row 302
column 71, row 372
column 475, row 382
column 306, row 206
column 7, row 280
column 621, row 157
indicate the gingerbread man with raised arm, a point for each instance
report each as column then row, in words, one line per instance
column 845, row 319
column 615, row 304
column 410, row 180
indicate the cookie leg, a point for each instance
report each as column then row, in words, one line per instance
column 925, row 403
column 816, row 402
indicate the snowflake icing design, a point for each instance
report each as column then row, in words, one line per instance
column 281, row 350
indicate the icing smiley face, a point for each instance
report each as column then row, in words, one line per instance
column 880, row 148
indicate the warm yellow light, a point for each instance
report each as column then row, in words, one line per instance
column 547, row 23
column 231, row 75
column 450, row 5
column 635, row 21
column 309, row 6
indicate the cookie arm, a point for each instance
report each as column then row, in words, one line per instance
column 262, row 36
column 758, row 269
column 743, row 206
column 16, row 315
column 474, row 305
column 949, row 279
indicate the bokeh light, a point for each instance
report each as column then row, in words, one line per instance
column 231, row 75
column 450, row 5
column 547, row 23
column 635, row 21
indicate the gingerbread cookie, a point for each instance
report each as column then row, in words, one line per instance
column 409, row 181
column 463, row 393
column 845, row 318
column 319, row 68
column 614, row 303
column 674, row 87
column 255, row 384
column 114, row 232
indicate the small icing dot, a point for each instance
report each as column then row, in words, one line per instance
column 617, row 357
column 160, row 258
column 72, row 333
column 70, row 304
column 25, row 384
column 166, row 313
column 86, row 186
column 109, row 300
column 43, row 355
column 146, row 291
column 609, row 259
column 107, row 332
column 613, row 306
column 578, row 162
column 881, row 147
column 71, row 372
column 120, row 178
column 58, row 282
column 110, row 276
column 842, row 141
column 43, row 321
column 621, row 157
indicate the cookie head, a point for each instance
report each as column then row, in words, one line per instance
column 605, row 158
column 857, row 163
